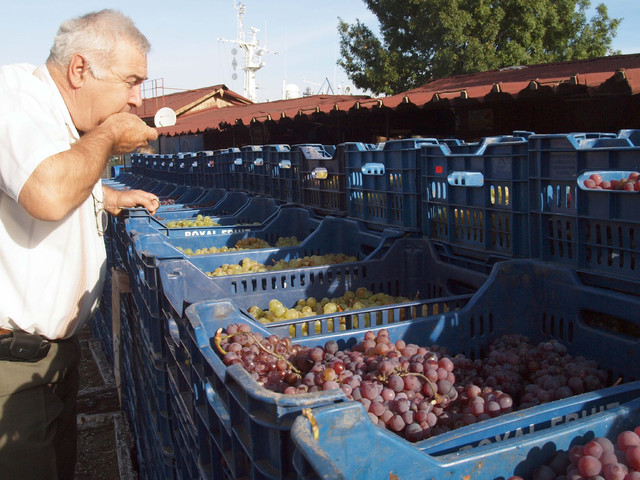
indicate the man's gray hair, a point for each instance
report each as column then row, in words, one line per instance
column 95, row 36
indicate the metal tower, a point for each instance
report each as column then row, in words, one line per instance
column 253, row 53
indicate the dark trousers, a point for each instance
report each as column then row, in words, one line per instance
column 38, row 432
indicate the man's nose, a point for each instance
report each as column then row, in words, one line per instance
column 135, row 98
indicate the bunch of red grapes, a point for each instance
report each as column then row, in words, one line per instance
column 630, row 184
column 413, row 390
column 598, row 459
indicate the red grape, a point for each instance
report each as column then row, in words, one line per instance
column 589, row 466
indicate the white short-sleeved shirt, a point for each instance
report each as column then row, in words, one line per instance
column 51, row 273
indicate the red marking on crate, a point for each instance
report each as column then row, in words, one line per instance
column 439, row 169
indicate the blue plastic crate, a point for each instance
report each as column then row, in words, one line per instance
column 344, row 428
column 289, row 221
column 182, row 168
column 476, row 202
column 191, row 196
column 215, row 202
column 224, row 166
column 285, row 169
column 203, row 171
column 383, row 183
column 193, row 162
column 251, row 214
column 154, row 462
column 211, row 197
column 221, row 404
column 169, row 168
column 273, row 155
column 536, row 299
column 135, row 162
column 146, row 252
column 324, row 178
column 404, row 267
column 234, row 204
column 253, row 175
column 333, row 235
column 594, row 232
column 118, row 236
column 186, row 442
column 259, row 420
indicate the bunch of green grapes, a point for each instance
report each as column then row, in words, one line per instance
column 250, row 243
column 199, row 221
column 205, row 251
column 253, row 266
column 245, row 266
column 313, row 261
column 361, row 298
column 287, row 241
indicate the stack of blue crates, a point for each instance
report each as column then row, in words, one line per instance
column 495, row 236
column 594, row 232
column 532, row 298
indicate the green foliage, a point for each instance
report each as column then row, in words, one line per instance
column 421, row 40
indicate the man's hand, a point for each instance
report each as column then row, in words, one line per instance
column 116, row 200
column 128, row 132
column 63, row 181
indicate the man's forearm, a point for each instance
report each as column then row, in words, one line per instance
column 63, row 181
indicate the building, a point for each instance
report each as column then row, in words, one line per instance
column 600, row 94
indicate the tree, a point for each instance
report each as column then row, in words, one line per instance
column 422, row 40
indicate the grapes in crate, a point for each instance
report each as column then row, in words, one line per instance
column 415, row 391
column 310, row 307
column 249, row 243
column 631, row 183
column 248, row 265
column 600, row 458
column 198, row 221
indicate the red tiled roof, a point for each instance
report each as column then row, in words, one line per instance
column 179, row 100
column 594, row 75
column 214, row 118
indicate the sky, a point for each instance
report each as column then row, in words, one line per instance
column 190, row 47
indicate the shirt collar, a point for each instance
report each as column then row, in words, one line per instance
column 43, row 74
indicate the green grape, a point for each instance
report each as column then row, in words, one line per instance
column 330, row 307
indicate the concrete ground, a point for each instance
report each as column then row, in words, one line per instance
column 105, row 446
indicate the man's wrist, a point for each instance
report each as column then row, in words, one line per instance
column 110, row 200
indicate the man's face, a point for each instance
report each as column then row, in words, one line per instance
column 118, row 91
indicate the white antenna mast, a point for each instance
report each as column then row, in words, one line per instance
column 253, row 53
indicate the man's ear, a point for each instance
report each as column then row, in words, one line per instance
column 78, row 70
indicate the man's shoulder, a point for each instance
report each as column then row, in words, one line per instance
column 11, row 75
column 21, row 81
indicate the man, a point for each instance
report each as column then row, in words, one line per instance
column 59, row 125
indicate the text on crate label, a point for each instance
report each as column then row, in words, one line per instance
column 206, row 233
column 548, row 423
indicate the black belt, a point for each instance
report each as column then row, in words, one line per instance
column 20, row 346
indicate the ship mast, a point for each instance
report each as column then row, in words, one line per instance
column 253, row 53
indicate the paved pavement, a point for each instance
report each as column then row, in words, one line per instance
column 105, row 446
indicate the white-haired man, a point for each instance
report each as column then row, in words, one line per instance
column 60, row 123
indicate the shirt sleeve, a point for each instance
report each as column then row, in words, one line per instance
column 30, row 131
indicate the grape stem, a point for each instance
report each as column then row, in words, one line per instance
column 438, row 398
column 306, row 412
column 219, row 337
column 216, row 341
column 403, row 373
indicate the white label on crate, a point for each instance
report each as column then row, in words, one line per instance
column 582, row 414
column 551, row 423
column 208, row 233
